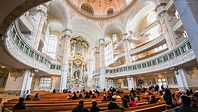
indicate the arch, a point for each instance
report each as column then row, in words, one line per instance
column 14, row 9
column 87, row 7
column 137, row 14
column 114, row 27
column 110, row 11
column 89, row 30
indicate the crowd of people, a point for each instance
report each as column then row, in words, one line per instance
column 179, row 101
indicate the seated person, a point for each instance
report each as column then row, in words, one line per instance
column 36, row 97
column 90, row 92
column 125, row 102
column 105, row 98
column 28, row 97
column 132, row 103
column 116, row 95
column 98, row 96
column 80, row 95
column 87, row 95
column 74, row 96
column 94, row 107
column 93, row 96
column 153, row 100
column 80, row 107
column 113, row 105
column 20, row 105
column 185, row 105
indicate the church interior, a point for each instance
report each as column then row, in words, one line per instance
column 52, row 46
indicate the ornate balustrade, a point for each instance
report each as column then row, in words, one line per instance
column 27, row 55
column 152, row 25
column 181, row 54
column 150, row 45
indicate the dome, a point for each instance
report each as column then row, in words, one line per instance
column 100, row 8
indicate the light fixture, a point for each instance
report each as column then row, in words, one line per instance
column 2, row 66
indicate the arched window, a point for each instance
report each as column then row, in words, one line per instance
column 87, row 7
column 52, row 46
column 110, row 11
column 45, row 83
column 152, row 17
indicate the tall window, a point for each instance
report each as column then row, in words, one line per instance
column 52, row 46
column 45, row 83
column 114, row 37
column 110, row 83
column 87, row 7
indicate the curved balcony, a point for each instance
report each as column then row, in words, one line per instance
column 148, row 46
column 180, row 55
column 117, row 57
column 105, row 16
column 22, row 52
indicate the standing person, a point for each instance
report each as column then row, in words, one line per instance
column 80, row 107
column 168, row 98
column 54, row 91
column 20, row 105
column 94, row 107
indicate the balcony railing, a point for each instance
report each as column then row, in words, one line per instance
column 150, row 45
column 129, row 3
column 27, row 55
column 181, row 54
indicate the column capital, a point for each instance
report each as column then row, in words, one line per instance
column 125, row 36
column 67, row 32
column 161, row 7
column 101, row 41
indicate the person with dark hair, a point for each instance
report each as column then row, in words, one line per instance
column 74, row 96
column 187, row 92
column 153, row 100
column 87, row 95
column 80, row 95
column 194, row 101
column 93, row 96
column 185, row 105
column 28, row 97
column 20, row 105
column 125, row 102
column 80, row 107
column 94, row 107
column 191, row 92
column 54, row 91
column 113, row 105
column 36, row 97
column 168, row 98
column 105, row 98
column 132, row 103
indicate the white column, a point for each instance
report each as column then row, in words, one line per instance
column 161, row 10
column 43, row 11
column 19, row 82
column 126, row 48
column 181, row 79
column 131, row 82
column 102, row 64
column 65, row 57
